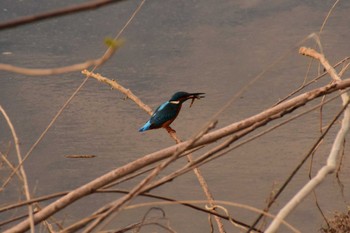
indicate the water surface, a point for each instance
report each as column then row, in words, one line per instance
column 215, row 47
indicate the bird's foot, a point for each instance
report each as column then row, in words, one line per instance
column 170, row 130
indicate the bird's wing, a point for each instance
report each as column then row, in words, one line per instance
column 163, row 114
column 161, row 107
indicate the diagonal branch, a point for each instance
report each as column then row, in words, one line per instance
column 167, row 152
column 66, row 69
column 23, row 173
column 117, row 205
column 60, row 12
column 171, row 132
column 333, row 155
column 119, row 87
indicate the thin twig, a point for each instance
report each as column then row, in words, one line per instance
column 333, row 155
column 219, row 202
column 60, row 12
column 115, row 85
column 23, row 173
column 56, row 116
column 171, row 132
column 208, row 156
column 32, row 219
column 297, row 168
column 304, row 85
column 319, row 207
column 83, row 222
column 117, row 205
column 61, row 70
column 328, row 15
column 12, row 167
column 164, row 153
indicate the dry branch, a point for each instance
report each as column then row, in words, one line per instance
column 334, row 153
column 167, row 152
column 88, row 219
column 12, row 167
column 310, row 152
column 119, row 87
column 60, row 12
column 22, row 171
column 115, row 206
column 65, row 69
column 221, row 203
column 171, row 132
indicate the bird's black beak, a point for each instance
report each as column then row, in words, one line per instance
column 194, row 96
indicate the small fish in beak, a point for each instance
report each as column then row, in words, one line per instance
column 194, row 96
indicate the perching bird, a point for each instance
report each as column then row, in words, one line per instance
column 166, row 113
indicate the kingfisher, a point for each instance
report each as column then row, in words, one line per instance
column 167, row 112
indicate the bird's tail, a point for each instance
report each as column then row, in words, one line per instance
column 145, row 127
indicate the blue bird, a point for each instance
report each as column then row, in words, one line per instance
column 167, row 112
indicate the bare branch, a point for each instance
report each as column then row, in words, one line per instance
column 171, row 132
column 119, row 87
column 51, row 14
column 334, row 153
column 23, row 173
column 167, row 152
column 65, row 69
column 117, row 205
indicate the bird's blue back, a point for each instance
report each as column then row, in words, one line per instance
column 164, row 114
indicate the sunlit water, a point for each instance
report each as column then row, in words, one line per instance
column 215, row 47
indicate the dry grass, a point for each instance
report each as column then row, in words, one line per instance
column 339, row 223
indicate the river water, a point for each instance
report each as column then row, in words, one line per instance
column 215, row 47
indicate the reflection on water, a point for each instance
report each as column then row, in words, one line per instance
column 214, row 47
